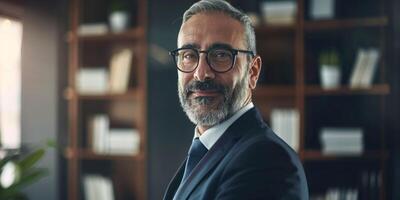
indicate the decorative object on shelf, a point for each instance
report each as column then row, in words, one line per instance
column 322, row 9
column 330, row 74
column 119, row 16
column 279, row 12
column 364, row 68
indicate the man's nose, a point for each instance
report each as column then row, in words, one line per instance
column 203, row 70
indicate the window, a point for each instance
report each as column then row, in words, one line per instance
column 10, row 83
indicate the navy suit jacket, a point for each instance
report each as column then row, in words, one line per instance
column 247, row 162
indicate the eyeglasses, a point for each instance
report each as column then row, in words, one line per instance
column 219, row 59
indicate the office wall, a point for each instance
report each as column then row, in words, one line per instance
column 170, row 132
column 40, row 94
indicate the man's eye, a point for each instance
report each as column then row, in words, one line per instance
column 221, row 55
column 189, row 56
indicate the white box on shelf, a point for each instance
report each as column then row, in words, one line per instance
column 322, row 9
column 124, row 141
column 282, row 12
column 92, row 80
column 343, row 141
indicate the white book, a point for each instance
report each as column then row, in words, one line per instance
column 285, row 123
column 370, row 68
column 359, row 66
column 106, row 188
column 99, row 127
column 92, row 187
column 120, row 65
column 89, row 188
column 97, row 187
column 92, row 29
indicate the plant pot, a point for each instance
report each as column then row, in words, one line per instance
column 330, row 76
column 119, row 21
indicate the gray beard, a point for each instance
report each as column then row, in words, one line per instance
column 232, row 102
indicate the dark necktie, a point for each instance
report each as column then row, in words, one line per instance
column 196, row 152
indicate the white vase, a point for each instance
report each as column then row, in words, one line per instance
column 330, row 76
column 119, row 21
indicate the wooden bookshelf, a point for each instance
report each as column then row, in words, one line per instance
column 316, row 90
column 127, row 172
column 87, row 154
column 290, row 58
column 311, row 155
column 345, row 24
column 268, row 29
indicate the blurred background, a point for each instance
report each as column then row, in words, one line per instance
column 94, row 78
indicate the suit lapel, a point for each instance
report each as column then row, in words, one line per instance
column 246, row 122
column 175, row 182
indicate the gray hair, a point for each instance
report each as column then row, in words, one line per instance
column 226, row 8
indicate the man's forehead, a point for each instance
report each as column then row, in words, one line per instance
column 205, row 30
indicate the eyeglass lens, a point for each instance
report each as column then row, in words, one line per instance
column 219, row 59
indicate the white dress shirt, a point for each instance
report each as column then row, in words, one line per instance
column 211, row 135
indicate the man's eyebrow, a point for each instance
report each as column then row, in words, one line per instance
column 220, row 45
column 194, row 46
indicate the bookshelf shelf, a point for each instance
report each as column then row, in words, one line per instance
column 86, row 154
column 310, row 155
column 345, row 23
column 272, row 91
column 314, row 90
column 266, row 29
column 132, row 94
column 70, row 94
column 131, row 34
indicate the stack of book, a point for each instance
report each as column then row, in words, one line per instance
column 97, row 187
column 286, row 124
column 92, row 29
column 93, row 80
column 279, row 12
column 364, row 68
column 103, row 140
column 338, row 194
column 343, row 141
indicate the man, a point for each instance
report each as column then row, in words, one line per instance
column 234, row 154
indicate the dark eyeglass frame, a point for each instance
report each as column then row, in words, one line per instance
column 234, row 52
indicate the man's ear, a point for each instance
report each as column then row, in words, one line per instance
column 254, row 71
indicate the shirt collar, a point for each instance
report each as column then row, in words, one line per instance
column 211, row 135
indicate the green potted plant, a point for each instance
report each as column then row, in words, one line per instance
column 330, row 73
column 19, row 171
column 119, row 16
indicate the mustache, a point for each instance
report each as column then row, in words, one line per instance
column 204, row 86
